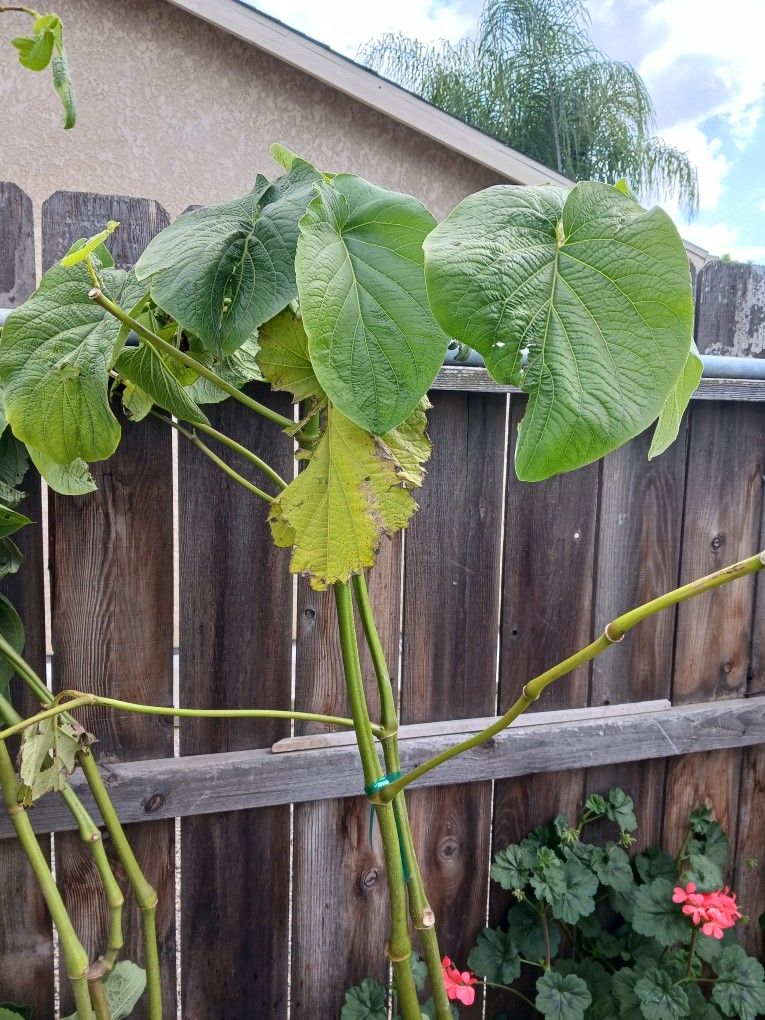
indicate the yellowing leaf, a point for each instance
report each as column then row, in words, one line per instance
column 410, row 446
column 336, row 510
column 48, row 756
column 283, row 356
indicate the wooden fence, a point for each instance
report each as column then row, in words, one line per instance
column 285, row 906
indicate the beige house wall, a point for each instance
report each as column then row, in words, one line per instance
column 173, row 109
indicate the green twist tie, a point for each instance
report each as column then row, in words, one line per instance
column 370, row 790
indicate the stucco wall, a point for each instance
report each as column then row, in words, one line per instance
column 173, row 109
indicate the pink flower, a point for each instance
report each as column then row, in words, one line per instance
column 458, row 984
column 712, row 912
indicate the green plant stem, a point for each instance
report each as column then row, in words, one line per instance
column 613, row 633
column 420, row 910
column 100, row 1002
column 205, row 449
column 91, row 837
column 79, row 700
column 170, row 351
column 143, row 891
column 399, row 945
column 75, row 957
column 253, row 458
column 507, row 988
column 5, row 9
column 691, row 952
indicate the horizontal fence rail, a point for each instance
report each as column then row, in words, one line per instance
column 493, row 581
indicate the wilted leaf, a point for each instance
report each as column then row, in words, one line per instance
column 48, row 756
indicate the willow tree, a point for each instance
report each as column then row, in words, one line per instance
column 533, row 78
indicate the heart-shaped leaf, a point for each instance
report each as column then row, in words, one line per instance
column 593, row 288
column 223, row 271
column 373, row 342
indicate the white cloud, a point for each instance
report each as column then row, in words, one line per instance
column 721, row 239
column 708, row 157
column 345, row 25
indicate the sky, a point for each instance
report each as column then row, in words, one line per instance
column 702, row 61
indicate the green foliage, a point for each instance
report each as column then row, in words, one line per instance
column 283, row 357
column 668, row 425
column 601, row 301
column 740, row 986
column 12, row 629
column 495, row 956
column 367, row 1001
column 146, row 369
column 72, row 479
column 657, row 916
column 533, row 78
column 223, row 271
column 660, row 997
column 562, row 997
column 12, row 1011
column 373, row 342
column 48, row 756
column 123, row 987
column 45, row 48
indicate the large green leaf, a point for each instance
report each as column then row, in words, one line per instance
column 223, row 271
column 72, row 479
column 656, row 915
column 562, row 996
column 740, row 986
column 283, row 357
column 595, row 288
column 337, row 509
column 373, row 341
column 660, row 998
column 668, row 425
column 495, row 956
column 55, row 356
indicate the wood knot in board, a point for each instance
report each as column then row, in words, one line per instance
column 154, row 803
column 369, row 879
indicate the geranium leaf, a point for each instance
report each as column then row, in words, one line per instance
column 657, row 916
column 283, row 356
column 337, row 509
column 54, row 361
column 525, row 925
column 654, row 863
column 713, row 844
column 562, row 996
column 577, row 898
column 703, row 872
column 668, row 425
column 48, row 756
column 596, row 289
column 740, row 986
column 495, row 956
column 72, row 479
column 12, row 1011
column 144, row 367
column 620, row 809
column 373, row 341
column 12, row 629
column 419, row 972
column 594, row 975
column 659, row 997
column 512, row 867
column 612, row 867
column 223, row 271
column 367, row 1001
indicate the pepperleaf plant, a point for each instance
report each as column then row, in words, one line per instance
column 347, row 295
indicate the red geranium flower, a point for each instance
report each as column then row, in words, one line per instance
column 458, row 983
column 712, row 912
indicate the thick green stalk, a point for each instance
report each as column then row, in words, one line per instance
column 143, row 891
column 163, row 347
column 79, row 700
column 75, row 957
column 420, row 910
column 613, row 633
column 399, row 945
column 91, row 837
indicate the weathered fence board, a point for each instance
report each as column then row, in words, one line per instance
column 451, row 614
column 236, row 615
column 112, row 605
column 731, row 309
column 26, row 952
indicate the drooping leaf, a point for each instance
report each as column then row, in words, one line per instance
column 656, row 915
column 144, row 367
column 10, row 557
column 578, row 896
column 367, row 1001
column 612, row 867
column 54, row 362
column 562, row 996
column 91, row 246
column 123, row 987
column 14, row 461
column 598, row 292
column 11, row 521
column 48, row 756
column 336, row 510
column 668, row 425
column 495, row 956
column 64, row 86
column 12, row 629
column 659, row 997
column 525, row 926
column 620, row 809
column 72, row 479
column 223, row 271
column 238, row 369
column 372, row 338
column 512, row 867
column 36, row 51
column 740, row 986
column 283, row 356
column 410, row 447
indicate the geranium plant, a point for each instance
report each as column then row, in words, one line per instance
column 346, row 295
